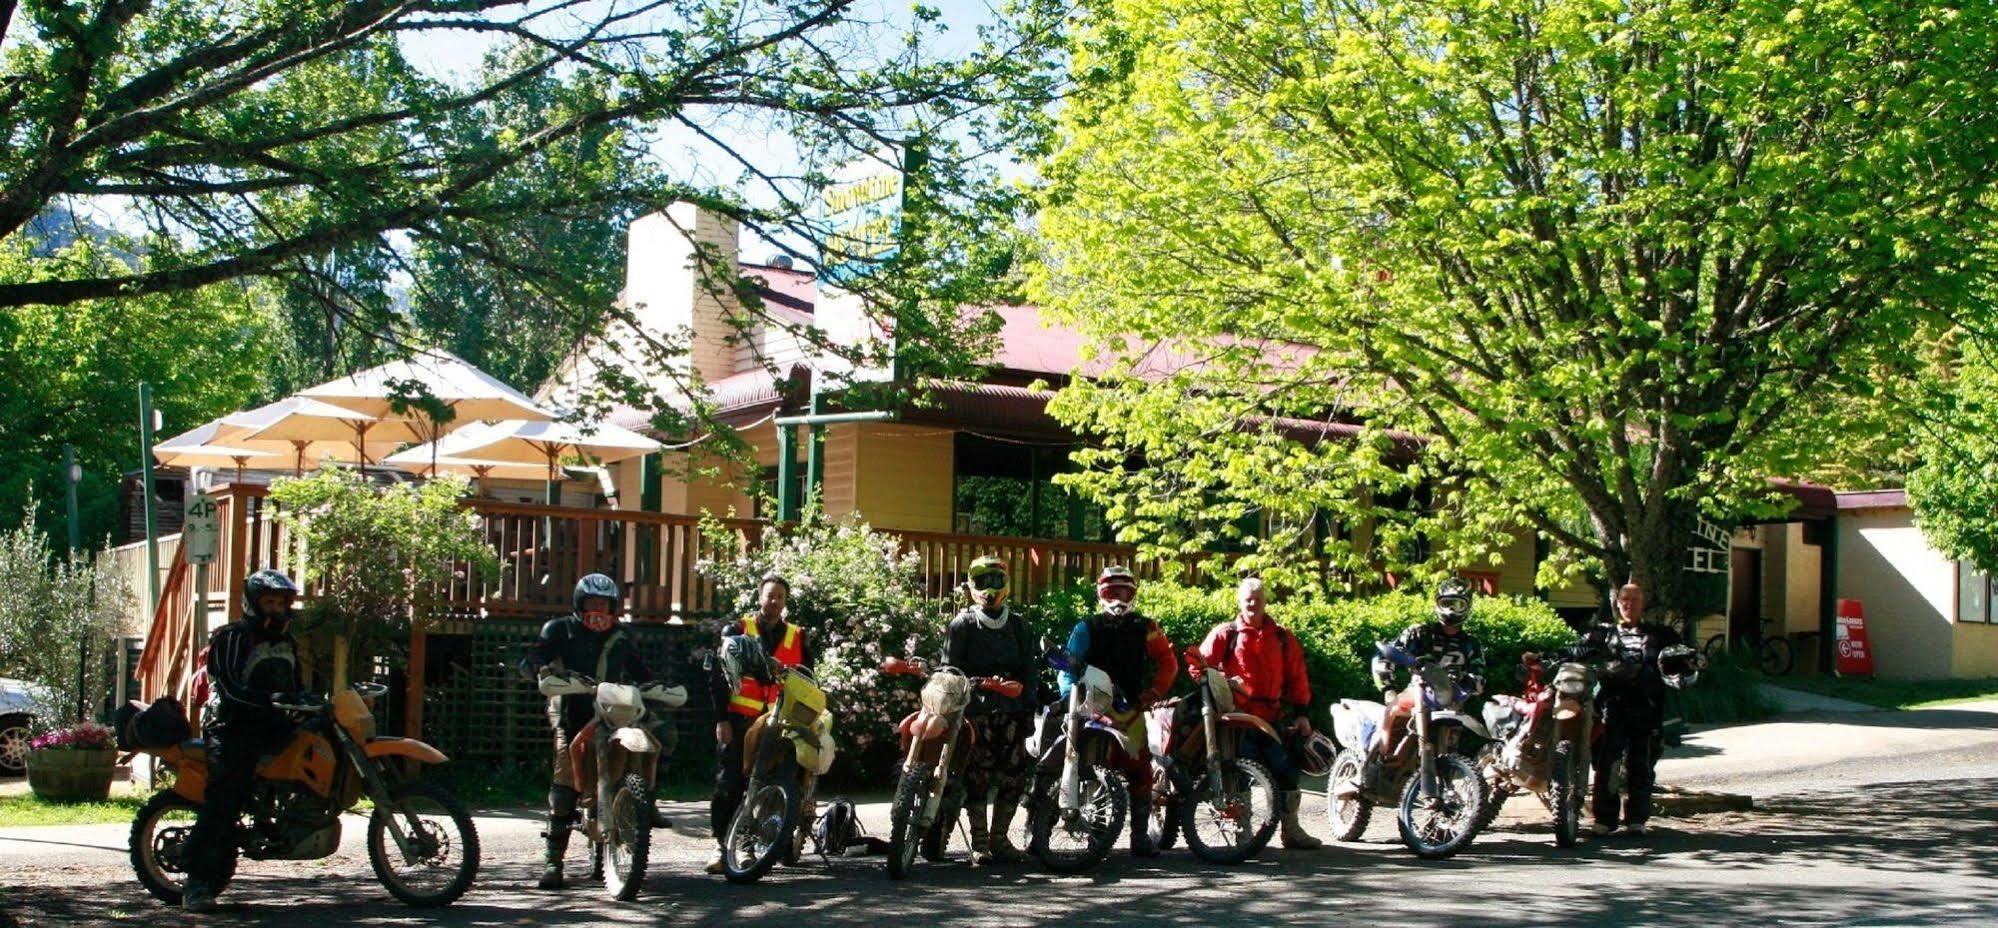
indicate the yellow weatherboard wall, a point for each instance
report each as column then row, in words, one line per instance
column 1976, row 650
column 905, row 476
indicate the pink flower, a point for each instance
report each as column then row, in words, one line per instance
column 89, row 736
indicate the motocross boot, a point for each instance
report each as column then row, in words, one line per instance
column 1141, row 830
column 999, row 840
column 561, row 818
column 1295, row 838
column 981, row 838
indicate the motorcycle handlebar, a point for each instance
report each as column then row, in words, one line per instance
column 900, row 667
column 1010, row 689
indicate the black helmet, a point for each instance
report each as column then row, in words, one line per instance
column 596, row 585
column 264, row 582
column 1453, row 601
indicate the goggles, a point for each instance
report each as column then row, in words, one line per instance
column 992, row 581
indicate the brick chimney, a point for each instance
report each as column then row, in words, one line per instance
column 673, row 295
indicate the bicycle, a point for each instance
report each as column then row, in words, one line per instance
column 1774, row 656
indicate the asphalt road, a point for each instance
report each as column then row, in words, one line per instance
column 1882, row 819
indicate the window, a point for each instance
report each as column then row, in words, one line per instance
column 1006, row 488
column 1974, row 590
column 764, row 505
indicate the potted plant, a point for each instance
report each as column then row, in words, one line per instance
column 73, row 764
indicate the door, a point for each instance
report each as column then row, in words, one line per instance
column 1744, row 607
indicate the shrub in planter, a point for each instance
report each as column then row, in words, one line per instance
column 73, row 764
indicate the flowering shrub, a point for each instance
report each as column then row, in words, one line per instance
column 88, row 736
column 858, row 596
column 57, row 613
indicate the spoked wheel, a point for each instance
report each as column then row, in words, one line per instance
column 1348, row 816
column 905, row 820
column 1437, row 826
column 159, row 846
column 1172, row 786
column 1495, row 791
column 1074, row 840
column 1568, row 783
column 627, row 838
column 439, row 855
column 1775, row 657
column 761, row 830
column 1234, row 827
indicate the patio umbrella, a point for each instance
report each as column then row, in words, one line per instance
column 232, row 437
column 472, row 395
column 419, row 460
column 191, row 450
column 302, row 422
column 523, row 442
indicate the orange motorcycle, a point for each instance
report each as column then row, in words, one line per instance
column 421, row 840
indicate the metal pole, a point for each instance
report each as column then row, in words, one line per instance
column 787, row 469
column 69, row 480
column 146, row 492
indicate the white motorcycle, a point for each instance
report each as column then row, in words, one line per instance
column 618, row 755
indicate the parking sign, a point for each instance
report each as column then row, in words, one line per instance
column 200, row 529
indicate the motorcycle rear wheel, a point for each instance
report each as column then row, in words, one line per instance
column 1083, row 842
column 627, row 837
column 761, row 831
column 159, row 845
column 1496, row 792
column 904, row 830
column 1164, row 825
column 1438, row 827
column 1242, row 825
column 1348, row 817
column 439, row 815
column 1568, row 782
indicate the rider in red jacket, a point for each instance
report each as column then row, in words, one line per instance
column 1265, row 665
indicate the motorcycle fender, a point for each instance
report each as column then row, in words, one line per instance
column 384, row 746
column 1245, row 720
column 1123, row 741
column 1566, row 711
column 190, row 774
column 1448, row 717
column 635, row 740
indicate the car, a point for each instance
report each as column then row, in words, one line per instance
column 20, row 701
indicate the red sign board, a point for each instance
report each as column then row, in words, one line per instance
column 1855, row 654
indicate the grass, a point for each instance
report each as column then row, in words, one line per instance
column 1726, row 694
column 24, row 809
column 1896, row 694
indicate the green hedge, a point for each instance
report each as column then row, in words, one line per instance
column 1339, row 637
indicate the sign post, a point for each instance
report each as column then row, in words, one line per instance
column 1855, row 654
column 200, row 537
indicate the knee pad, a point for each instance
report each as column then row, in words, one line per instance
column 561, row 802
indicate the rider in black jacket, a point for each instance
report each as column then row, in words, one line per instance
column 589, row 643
column 252, row 663
column 1640, row 656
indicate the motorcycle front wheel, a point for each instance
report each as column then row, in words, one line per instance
column 628, row 837
column 1235, row 827
column 1568, row 783
column 159, row 846
column 442, row 854
column 1438, row 826
column 1071, row 842
column 905, row 819
column 761, row 831
column 1347, row 815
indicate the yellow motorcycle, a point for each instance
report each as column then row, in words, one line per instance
column 421, row 840
column 784, row 753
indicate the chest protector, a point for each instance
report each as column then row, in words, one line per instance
column 752, row 697
column 1118, row 646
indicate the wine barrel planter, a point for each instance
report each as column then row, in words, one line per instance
column 69, row 775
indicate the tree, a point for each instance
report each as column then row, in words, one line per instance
column 1954, row 488
column 300, row 141
column 69, row 374
column 57, row 616
column 1610, row 261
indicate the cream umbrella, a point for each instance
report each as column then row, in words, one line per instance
column 472, row 395
column 522, row 442
column 419, row 460
column 232, row 437
column 194, row 448
column 302, row 423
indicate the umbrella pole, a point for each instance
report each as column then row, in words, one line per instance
column 361, row 446
column 239, row 469
column 554, row 490
column 298, row 461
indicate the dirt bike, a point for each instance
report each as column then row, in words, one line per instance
column 1438, row 792
column 937, row 745
column 1541, row 743
column 784, row 752
column 1076, row 801
column 1225, row 805
column 618, row 755
column 420, row 839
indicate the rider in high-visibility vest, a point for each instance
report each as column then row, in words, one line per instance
column 787, row 644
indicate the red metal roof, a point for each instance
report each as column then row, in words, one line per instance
column 1873, row 499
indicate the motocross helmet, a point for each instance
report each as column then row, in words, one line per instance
column 1680, row 665
column 1453, row 602
column 597, row 585
column 985, row 582
column 263, row 583
column 743, row 658
column 1116, row 578
column 1314, row 754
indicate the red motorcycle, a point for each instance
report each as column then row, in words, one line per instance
column 1225, row 804
column 936, row 743
column 1541, row 744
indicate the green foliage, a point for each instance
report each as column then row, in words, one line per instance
column 858, row 596
column 70, row 375
column 1728, row 692
column 55, row 612
column 1897, row 694
column 1616, row 261
column 1338, row 637
column 27, row 809
column 1954, row 489
column 375, row 558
